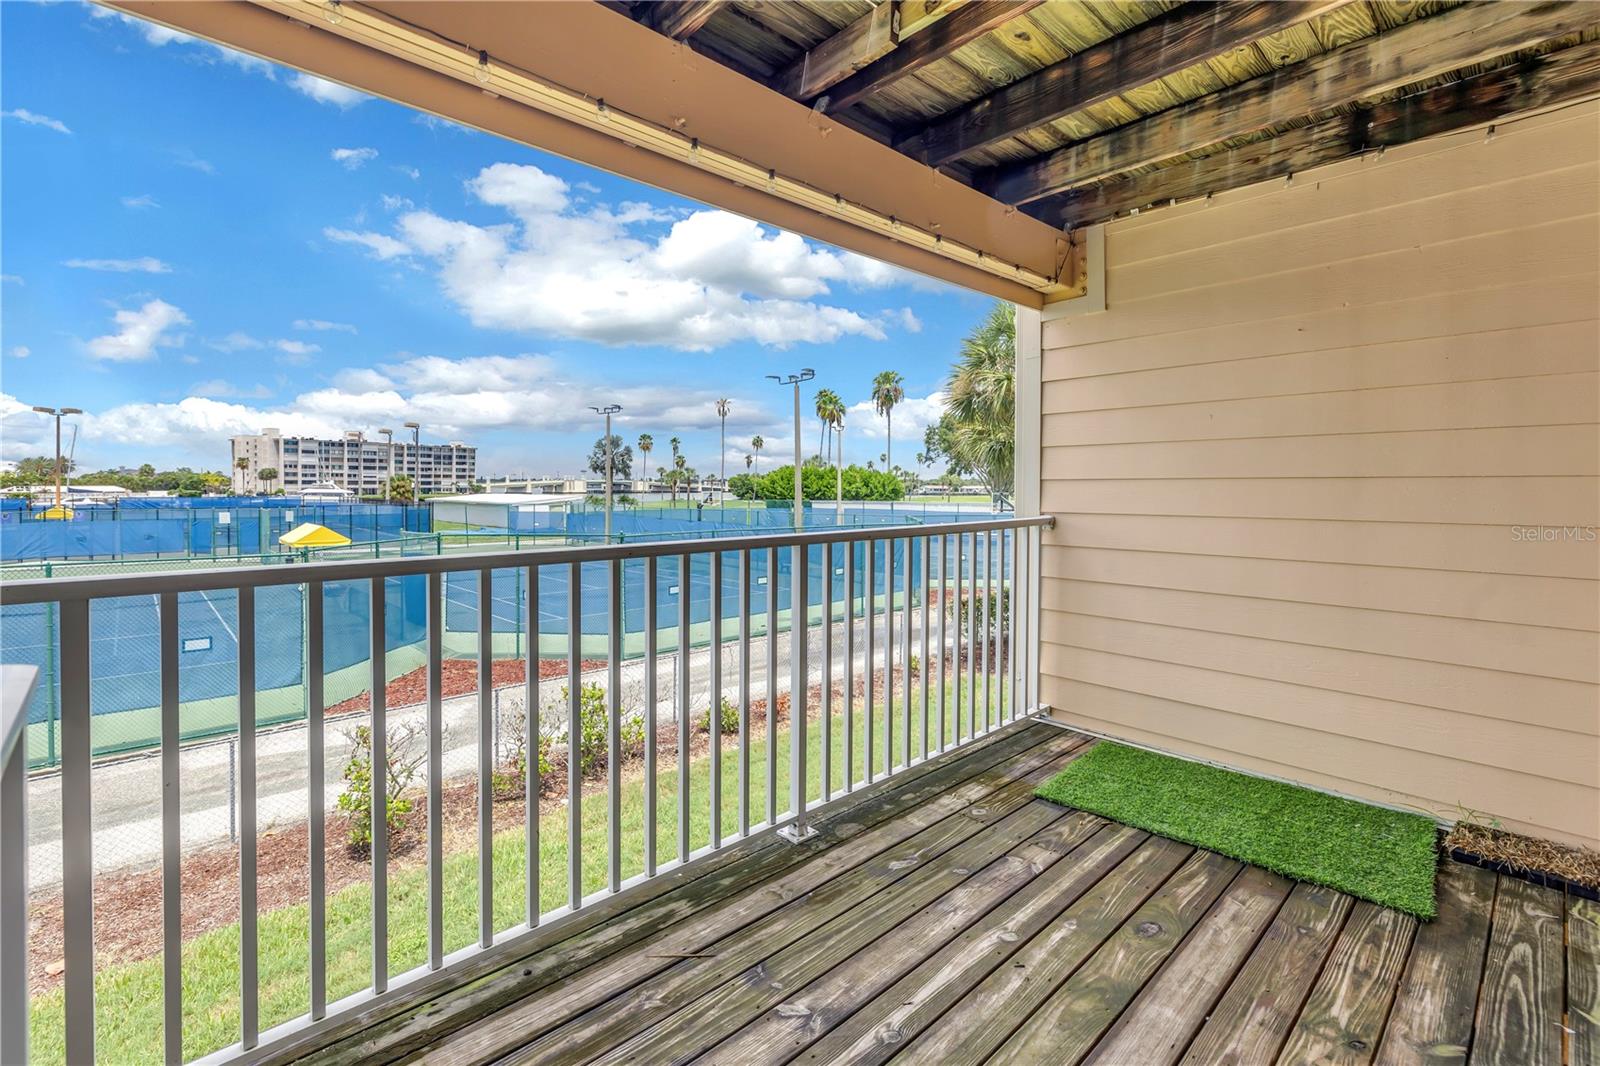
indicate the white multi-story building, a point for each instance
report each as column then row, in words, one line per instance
column 351, row 462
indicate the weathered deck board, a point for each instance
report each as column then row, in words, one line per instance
column 1254, row 1015
column 1432, row 1018
column 873, row 1033
column 1583, row 980
column 1159, row 1024
column 1069, row 1023
column 982, row 1021
column 1520, row 1007
column 613, row 925
column 1343, row 1017
column 947, row 916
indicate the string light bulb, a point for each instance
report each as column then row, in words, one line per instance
column 482, row 73
column 333, row 11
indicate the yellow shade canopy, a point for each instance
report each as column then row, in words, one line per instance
column 55, row 512
column 311, row 535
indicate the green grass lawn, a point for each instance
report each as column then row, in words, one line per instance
column 1385, row 856
column 128, row 996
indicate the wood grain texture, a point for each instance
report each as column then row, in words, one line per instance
column 678, row 19
column 880, row 1027
column 1432, row 1020
column 1072, row 1020
column 982, row 1021
column 1391, row 61
column 1344, row 1015
column 869, row 37
column 1520, row 1006
column 1255, row 1015
column 1583, row 980
column 1154, row 50
column 1160, row 1022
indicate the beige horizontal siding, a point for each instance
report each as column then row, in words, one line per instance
column 1294, row 464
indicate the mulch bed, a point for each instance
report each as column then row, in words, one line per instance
column 460, row 678
column 1526, row 855
column 127, row 904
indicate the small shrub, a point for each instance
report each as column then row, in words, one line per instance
column 594, row 726
column 729, row 719
column 403, row 755
column 915, row 666
column 998, row 608
column 510, row 778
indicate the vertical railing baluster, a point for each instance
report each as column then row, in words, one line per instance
column 905, row 652
column 988, row 628
column 531, row 732
column 849, row 666
column 651, row 665
column 485, row 757
column 944, row 609
column 955, row 666
column 798, row 634
column 249, row 998
column 744, row 693
column 316, row 798
column 714, row 718
column 825, row 652
column 772, row 685
column 171, row 838
column 972, row 637
column 888, row 657
column 1035, row 586
column 927, row 623
column 614, row 729
column 77, row 833
column 869, row 666
column 684, row 581
column 435, row 684
column 574, row 736
column 14, row 918
column 378, row 685
column 1014, row 588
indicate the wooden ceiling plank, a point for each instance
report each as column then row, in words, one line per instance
column 1179, row 39
column 1547, row 81
column 870, row 37
column 678, row 19
column 963, row 26
column 918, row 15
column 1367, row 68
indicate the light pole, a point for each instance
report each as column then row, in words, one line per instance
column 806, row 374
column 608, row 410
column 388, row 477
column 57, row 412
column 416, row 458
column 361, row 441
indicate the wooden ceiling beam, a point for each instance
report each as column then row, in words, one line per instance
column 1543, row 82
column 962, row 26
column 869, row 37
column 1412, row 53
column 678, row 19
column 1174, row 41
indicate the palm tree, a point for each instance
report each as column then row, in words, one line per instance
column 837, row 421
column 757, row 443
column 646, row 442
column 888, row 389
column 242, row 464
column 723, row 406
column 828, row 402
column 981, row 399
column 749, row 460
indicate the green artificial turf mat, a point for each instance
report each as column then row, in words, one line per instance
column 1385, row 856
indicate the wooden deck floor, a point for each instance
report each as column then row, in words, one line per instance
column 952, row 918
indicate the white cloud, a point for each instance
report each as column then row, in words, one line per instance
column 323, row 326
column 380, row 245
column 139, row 332
column 21, row 351
column 236, row 342
column 577, row 271
column 411, row 172
column 143, row 265
column 396, row 203
column 909, row 321
column 12, row 279
column 912, row 417
column 185, row 157
column 33, row 118
column 324, row 91
column 218, row 388
column 139, row 203
column 353, row 158
column 296, row 353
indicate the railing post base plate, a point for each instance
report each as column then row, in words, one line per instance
column 795, row 834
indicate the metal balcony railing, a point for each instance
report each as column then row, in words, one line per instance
column 958, row 600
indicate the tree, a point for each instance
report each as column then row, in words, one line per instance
column 818, row 483
column 400, row 488
column 723, row 406
column 888, row 389
column 621, row 457
column 830, row 409
column 241, row 463
column 749, row 460
column 980, row 401
column 266, row 475
column 646, row 443
column 758, row 443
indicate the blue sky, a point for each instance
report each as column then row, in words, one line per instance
column 196, row 243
